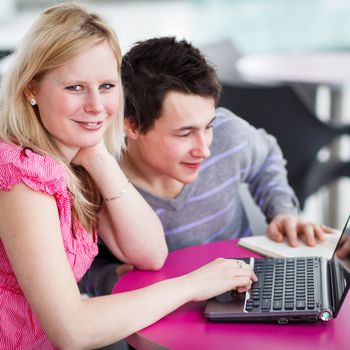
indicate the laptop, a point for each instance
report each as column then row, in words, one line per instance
column 289, row 290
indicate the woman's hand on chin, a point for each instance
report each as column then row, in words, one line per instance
column 87, row 156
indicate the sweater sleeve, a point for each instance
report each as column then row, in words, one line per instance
column 263, row 168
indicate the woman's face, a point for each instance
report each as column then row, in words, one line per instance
column 78, row 100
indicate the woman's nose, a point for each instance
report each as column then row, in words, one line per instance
column 93, row 103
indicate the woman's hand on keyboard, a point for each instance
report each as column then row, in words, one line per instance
column 220, row 276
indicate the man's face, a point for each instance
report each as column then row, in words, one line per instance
column 179, row 141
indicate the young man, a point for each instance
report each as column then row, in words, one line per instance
column 188, row 158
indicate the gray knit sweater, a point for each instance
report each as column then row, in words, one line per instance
column 210, row 208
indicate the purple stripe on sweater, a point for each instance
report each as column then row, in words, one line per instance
column 223, row 155
column 218, row 188
column 213, row 190
column 199, row 222
column 272, row 186
column 272, row 162
column 246, row 233
column 220, row 121
column 261, row 203
column 276, row 189
column 274, row 157
column 160, row 211
column 214, row 235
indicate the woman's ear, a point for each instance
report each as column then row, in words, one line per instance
column 131, row 129
column 30, row 90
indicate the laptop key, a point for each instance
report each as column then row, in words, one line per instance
column 289, row 306
column 257, row 284
column 265, row 304
column 277, row 305
column 300, row 304
column 310, row 306
column 249, row 307
column 256, row 303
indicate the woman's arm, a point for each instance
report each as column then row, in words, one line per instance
column 128, row 225
column 33, row 242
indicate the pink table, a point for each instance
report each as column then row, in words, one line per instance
column 188, row 329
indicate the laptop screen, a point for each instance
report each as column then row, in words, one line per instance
column 340, row 268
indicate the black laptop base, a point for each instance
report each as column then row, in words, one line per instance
column 287, row 291
column 223, row 311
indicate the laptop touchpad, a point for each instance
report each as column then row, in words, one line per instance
column 233, row 300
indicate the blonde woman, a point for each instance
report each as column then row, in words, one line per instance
column 60, row 132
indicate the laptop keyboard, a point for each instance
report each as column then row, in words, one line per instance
column 283, row 285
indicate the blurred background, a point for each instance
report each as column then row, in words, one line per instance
column 253, row 25
column 227, row 30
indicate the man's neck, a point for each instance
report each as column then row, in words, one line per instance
column 145, row 178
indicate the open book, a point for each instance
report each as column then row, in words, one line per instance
column 267, row 247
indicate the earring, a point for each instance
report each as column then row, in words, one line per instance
column 33, row 101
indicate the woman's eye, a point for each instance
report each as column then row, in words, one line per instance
column 107, row 86
column 74, row 88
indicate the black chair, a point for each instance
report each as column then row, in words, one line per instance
column 300, row 134
column 5, row 53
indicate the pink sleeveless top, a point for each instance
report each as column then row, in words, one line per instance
column 19, row 328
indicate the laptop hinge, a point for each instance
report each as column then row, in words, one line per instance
column 326, row 283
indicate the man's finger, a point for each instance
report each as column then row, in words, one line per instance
column 290, row 228
column 273, row 233
column 319, row 233
column 327, row 229
column 309, row 236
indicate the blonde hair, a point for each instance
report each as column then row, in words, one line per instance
column 61, row 33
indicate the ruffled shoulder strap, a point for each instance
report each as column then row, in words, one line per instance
column 20, row 165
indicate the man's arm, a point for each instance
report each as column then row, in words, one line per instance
column 269, row 186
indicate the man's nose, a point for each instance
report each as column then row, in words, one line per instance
column 201, row 149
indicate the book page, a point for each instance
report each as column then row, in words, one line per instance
column 267, row 247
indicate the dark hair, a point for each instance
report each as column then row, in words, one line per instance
column 154, row 67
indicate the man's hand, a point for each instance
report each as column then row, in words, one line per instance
column 291, row 226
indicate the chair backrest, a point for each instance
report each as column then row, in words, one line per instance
column 283, row 114
column 223, row 55
column 4, row 61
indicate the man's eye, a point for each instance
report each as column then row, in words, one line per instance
column 74, row 88
column 185, row 135
column 107, row 86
